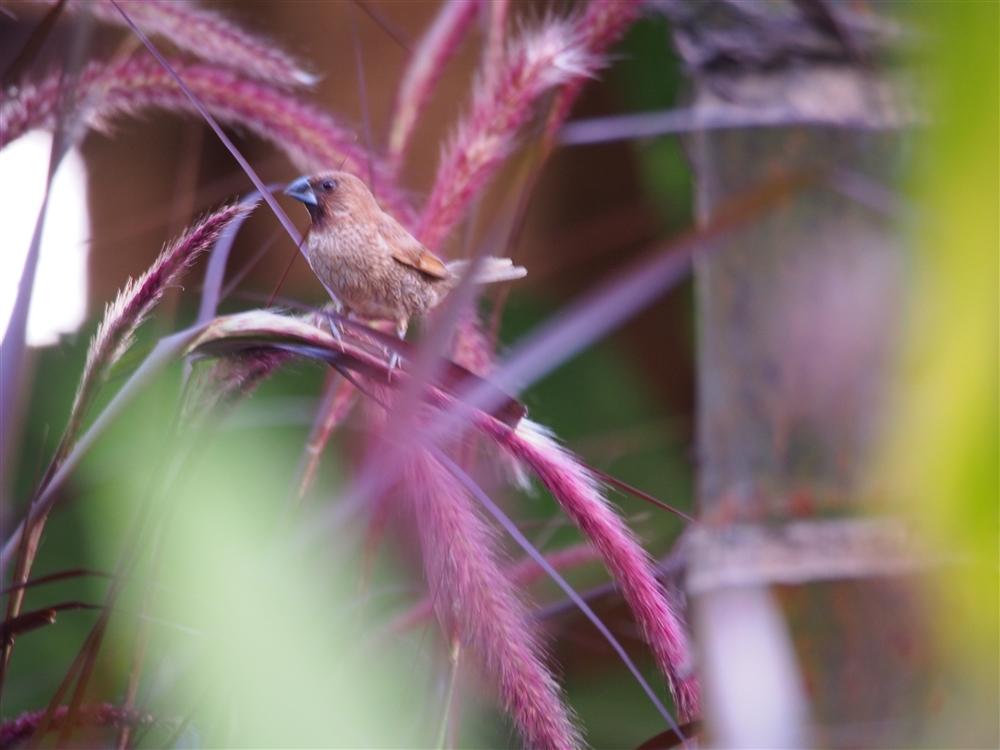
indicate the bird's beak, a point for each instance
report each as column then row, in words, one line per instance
column 301, row 190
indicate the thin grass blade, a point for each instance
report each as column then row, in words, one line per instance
column 424, row 70
column 166, row 351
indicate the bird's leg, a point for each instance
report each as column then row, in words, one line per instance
column 401, row 326
column 338, row 307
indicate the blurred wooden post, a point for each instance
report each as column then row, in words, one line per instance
column 807, row 634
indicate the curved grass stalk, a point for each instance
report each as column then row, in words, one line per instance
column 425, row 68
column 311, row 139
column 116, row 332
column 579, row 495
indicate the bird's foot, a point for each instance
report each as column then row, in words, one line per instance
column 401, row 326
column 393, row 362
column 335, row 329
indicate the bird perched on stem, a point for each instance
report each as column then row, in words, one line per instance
column 369, row 263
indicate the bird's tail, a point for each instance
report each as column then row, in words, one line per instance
column 490, row 270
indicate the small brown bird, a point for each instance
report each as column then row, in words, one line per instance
column 368, row 262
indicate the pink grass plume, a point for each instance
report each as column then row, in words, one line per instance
column 578, row 493
column 135, row 301
column 535, row 62
column 132, row 306
column 599, row 26
column 208, row 35
column 115, row 334
column 476, row 602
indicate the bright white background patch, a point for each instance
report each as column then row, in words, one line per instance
column 59, row 300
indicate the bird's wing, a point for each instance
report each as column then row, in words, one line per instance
column 405, row 249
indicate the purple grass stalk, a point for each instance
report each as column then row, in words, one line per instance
column 496, row 32
column 387, row 25
column 534, row 64
column 429, row 59
column 103, row 715
column 477, row 603
column 578, row 493
column 311, row 139
column 208, row 35
column 215, row 271
column 471, row 348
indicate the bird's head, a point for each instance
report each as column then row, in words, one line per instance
column 331, row 196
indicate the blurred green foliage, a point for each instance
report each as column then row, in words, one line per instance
column 648, row 76
column 943, row 449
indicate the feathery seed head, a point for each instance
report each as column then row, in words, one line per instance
column 208, row 35
column 579, row 494
column 477, row 603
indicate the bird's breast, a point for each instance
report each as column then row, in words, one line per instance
column 356, row 265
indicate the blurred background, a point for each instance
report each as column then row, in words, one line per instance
column 627, row 406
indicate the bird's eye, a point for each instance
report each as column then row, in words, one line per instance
column 328, row 186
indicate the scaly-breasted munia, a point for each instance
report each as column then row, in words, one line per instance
column 368, row 262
